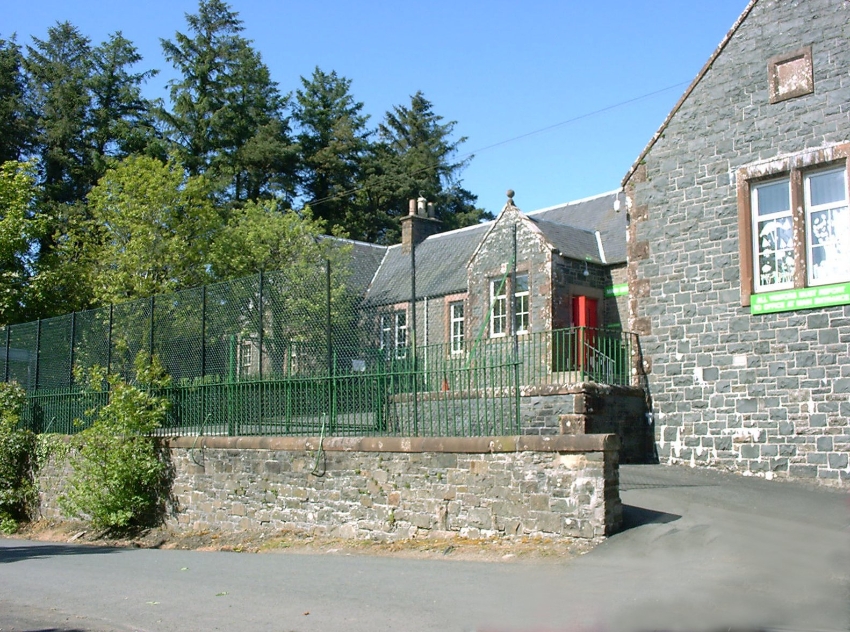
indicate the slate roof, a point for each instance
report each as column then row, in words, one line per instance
column 440, row 267
column 595, row 213
column 572, row 242
column 441, row 259
column 365, row 260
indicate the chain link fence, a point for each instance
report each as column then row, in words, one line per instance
column 309, row 350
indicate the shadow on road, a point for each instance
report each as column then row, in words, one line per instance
column 638, row 516
column 55, row 630
column 42, row 551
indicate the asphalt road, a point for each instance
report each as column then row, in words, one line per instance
column 703, row 551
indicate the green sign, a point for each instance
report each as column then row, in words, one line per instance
column 618, row 290
column 805, row 298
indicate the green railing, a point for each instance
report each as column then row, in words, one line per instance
column 434, row 392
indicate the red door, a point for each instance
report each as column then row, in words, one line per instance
column 585, row 322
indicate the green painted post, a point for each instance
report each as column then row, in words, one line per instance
column 71, row 351
column 6, row 366
column 231, row 379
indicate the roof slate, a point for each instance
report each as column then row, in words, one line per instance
column 441, row 259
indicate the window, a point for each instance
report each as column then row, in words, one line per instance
column 245, row 353
column 401, row 334
column 795, row 228
column 456, row 320
column 386, row 330
column 521, row 316
column 827, row 227
column 773, row 236
column 394, row 333
column 498, row 307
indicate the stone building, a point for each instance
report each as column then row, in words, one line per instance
column 739, row 250
column 570, row 271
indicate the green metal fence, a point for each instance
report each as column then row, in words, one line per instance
column 295, row 353
column 436, row 393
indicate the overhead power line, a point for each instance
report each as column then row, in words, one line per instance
column 513, row 139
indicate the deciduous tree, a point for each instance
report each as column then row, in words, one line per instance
column 19, row 227
column 151, row 225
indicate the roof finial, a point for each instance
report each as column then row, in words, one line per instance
column 511, row 197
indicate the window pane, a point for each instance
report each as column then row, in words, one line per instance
column 829, row 232
column 826, row 188
column 773, row 198
column 457, row 327
column 775, row 257
column 521, row 283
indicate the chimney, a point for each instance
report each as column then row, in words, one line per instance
column 419, row 224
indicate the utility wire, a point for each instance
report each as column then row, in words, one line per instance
column 471, row 154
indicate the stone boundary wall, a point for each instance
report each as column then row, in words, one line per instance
column 390, row 488
column 591, row 408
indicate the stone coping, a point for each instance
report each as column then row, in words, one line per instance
column 542, row 390
column 465, row 445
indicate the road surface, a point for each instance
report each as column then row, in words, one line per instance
column 703, row 551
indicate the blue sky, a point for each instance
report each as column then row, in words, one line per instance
column 500, row 69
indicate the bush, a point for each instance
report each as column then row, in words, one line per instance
column 17, row 451
column 118, row 477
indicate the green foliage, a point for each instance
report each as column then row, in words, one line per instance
column 226, row 119
column 334, row 141
column 150, row 226
column 17, row 450
column 58, row 69
column 118, row 477
column 263, row 237
column 414, row 156
column 16, row 118
column 18, row 227
column 120, row 119
column 93, row 223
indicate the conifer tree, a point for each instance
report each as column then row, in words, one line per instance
column 415, row 156
column 334, row 141
column 227, row 116
column 16, row 120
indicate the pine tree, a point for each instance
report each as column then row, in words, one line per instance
column 415, row 155
column 16, row 120
column 334, row 140
column 120, row 119
column 226, row 119
column 58, row 70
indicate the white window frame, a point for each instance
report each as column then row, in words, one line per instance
column 386, row 330
column 785, row 216
column 838, row 275
column 498, row 308
column 456, row 326
column 522, row 317
column 246, row 355
column 400, row 321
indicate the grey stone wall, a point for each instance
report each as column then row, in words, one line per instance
column 590, row 408
column 493, row 259
column 392, row 488
column 761, row 394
